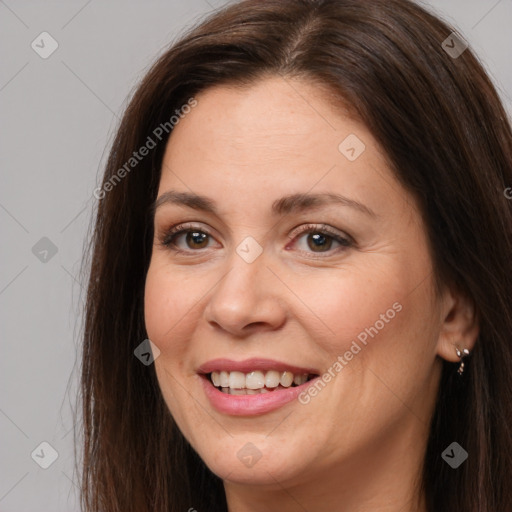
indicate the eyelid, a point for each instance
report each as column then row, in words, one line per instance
column 344, row 240
column 167, row 237
column 322, row 228
column 176, row 230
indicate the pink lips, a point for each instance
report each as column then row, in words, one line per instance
column 248, row 365
column 250, row 405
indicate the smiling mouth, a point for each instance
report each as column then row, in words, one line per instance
column 256, row 382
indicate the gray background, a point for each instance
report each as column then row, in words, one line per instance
column 58, row 117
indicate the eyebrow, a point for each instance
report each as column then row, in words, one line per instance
column 292, row 203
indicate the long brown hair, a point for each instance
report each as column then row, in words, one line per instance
column 448, row 140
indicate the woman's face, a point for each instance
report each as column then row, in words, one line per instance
column 267, row 287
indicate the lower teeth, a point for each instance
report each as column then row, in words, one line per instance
column 244, row 391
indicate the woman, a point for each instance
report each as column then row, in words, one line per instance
column 305, row 211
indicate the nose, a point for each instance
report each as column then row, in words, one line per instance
column 247, row 299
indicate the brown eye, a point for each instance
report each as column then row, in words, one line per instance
column 194, row 239
column 317, row 242
column 320, row 240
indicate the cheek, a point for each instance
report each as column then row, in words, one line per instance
column 347, row 305
column 168, row 313
column 168, row 306
column 376, row 315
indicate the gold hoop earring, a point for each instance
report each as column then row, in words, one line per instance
column 461, row 356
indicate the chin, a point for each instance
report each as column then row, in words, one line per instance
column 246, row 462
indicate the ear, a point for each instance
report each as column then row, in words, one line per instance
column 460, row 324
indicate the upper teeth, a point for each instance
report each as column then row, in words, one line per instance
column 257, row 379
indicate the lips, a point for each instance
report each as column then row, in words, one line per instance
column 240, row 387
column 250, row 365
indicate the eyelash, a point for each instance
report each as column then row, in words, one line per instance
column 168, row 239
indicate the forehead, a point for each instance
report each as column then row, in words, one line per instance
column 273, row 137
column 287, row 111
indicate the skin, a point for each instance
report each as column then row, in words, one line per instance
column 358, row 444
